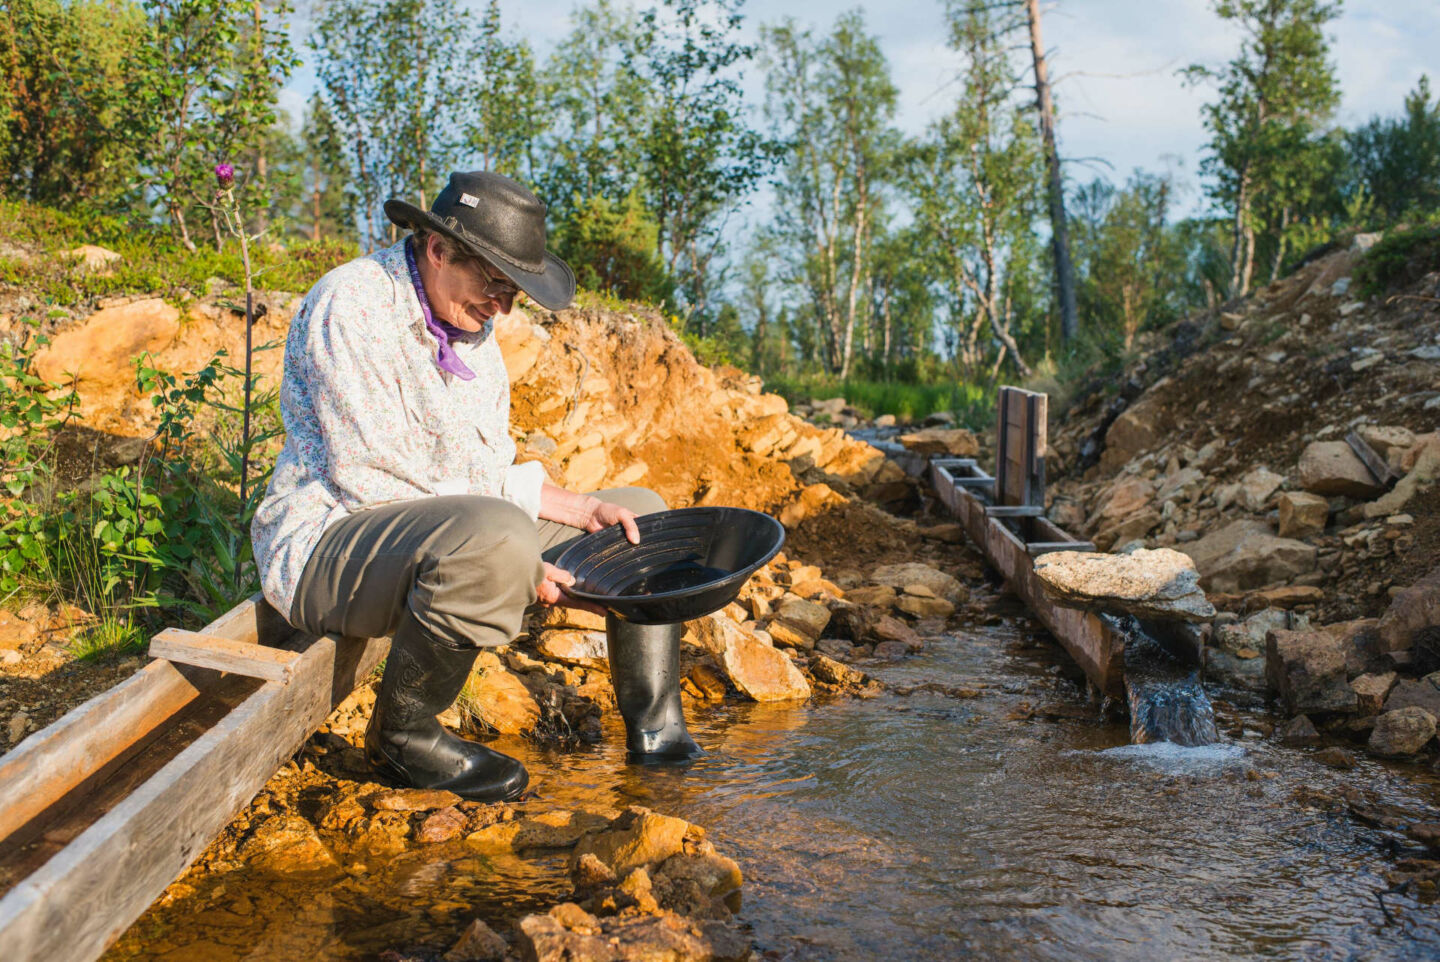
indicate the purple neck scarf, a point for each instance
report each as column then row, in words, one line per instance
column 447, row 359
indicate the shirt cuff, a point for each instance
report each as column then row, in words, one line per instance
column 522, row 486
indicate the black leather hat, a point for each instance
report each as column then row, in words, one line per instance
column 500, row 221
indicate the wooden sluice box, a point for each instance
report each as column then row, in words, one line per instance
column 1004, row 515
column 104, row 808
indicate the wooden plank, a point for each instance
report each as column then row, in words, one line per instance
column 83, row 898
column 1014, row 510
column 223, row 654
column 56, row 759
column 1379, row 468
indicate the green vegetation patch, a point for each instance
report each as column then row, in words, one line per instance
column 1400, row 258
column 151, row 261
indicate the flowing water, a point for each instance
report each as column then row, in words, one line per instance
column 1020, row 824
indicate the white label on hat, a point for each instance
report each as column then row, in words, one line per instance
column 470, row 200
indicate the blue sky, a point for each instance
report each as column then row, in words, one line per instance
column 1121, row 101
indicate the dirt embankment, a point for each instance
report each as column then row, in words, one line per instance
column 1228, row 441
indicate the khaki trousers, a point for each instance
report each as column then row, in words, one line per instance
column 461, row 568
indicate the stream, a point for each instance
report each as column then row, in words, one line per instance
column 1020, row 824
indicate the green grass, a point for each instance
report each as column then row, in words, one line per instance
column 972, row 404
column 112, row 637
column 152, row 262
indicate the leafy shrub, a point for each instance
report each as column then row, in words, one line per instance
column 163, row 540
column 1401, row 257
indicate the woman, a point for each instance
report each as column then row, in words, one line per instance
column 395, row 507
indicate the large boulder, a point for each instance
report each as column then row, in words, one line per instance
column 1302, row 514
column 1161, row 584
column 759, row 671
column 1413, row 621
column 1244, row 555
column 1402, row 732
column 1122, row 499
column 1138, row 429
column 913, row 573
column 1331, row 467
column 1417, row 693
column 1307, row 670
column 101, row 350
column 955, row 442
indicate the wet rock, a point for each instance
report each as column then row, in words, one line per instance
column 1331, row 467
column 287, row 845
column 478, row 943
column 667, row 937
column 637, row 889
column 954, row 442
column 500, row 701
column 1420, row 693
column 1307, row 669
column 833, row 672
column 1371, row 690
column 639, row 837
column 1244, row 555
column 583, row 649
column 1158, row 584
column 441, row 826
column 1413, row 621
column 413, row 800
column 1336, row 757
column 708, row 682
column 100, row 351
column 1402, row 732
column 560, row 828
column 943, row 585
column 588, row 873
column 1302, row 514
column 717, row 875
column 17, row 726
column 892, row 630
column 891, row 650
column 1299, row 731
column 757, row 670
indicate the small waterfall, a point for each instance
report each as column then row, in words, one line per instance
column 1167, row 701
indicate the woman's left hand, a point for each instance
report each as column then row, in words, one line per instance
column 550, row 590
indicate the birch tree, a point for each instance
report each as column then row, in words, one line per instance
column 974, row 179
column 833, row 106
column 1272, row 98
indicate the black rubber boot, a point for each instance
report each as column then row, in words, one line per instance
column 405, row 740
column 645, row 670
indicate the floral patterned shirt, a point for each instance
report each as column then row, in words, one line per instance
column 370, row 418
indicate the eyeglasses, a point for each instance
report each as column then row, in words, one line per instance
column 496, row 284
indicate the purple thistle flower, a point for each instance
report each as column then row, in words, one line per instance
column 225, row 176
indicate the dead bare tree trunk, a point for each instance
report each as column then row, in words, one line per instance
column 1059, row 230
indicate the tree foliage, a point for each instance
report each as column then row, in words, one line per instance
column 1265, row 158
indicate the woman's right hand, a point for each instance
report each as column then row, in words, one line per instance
column 551, row 592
